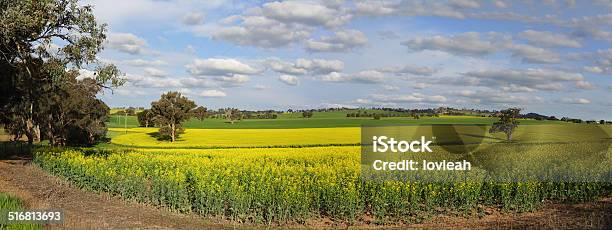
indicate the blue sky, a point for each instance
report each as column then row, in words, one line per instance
column 550, row 57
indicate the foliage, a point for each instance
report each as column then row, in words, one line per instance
column 200, row 113
column 145, row 118
column 37, row 73
column 169, row 111
column 232, row 115
column 507, row 122
column 307, row 114
column 131, row 111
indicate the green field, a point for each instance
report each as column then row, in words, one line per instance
column 319, row 120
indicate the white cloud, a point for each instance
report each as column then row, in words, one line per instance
column 477, row 44
column 494, row 97
column 141, row 62
column 546, row 38
column 544, row 79
column 420, row 85
column 234, row 80
column 451, row 9
column 500, row 4
column 289, row 80
column 341, row 41
column 532, row 54
column 468, row 43
column 307, row 13
column 464, row 3
column 575, row 101
column 410, row 69
column 261, row 31
column 261, row 87
column 193, row 18
column 302, row 66
column 320, row 66
column 284, row 67
column 364, row 77
column 409, row 98
column 585, row 85
column 219, row 67
column 601, row 61
column 151, row 82
column 593, row 69
column 517, row 88
column 126, row 42
column 363, row 101
column 85, row 73
column 192, row 82
column 153, row 72
column 212, row 93
column 375, row 8
column 390, row 88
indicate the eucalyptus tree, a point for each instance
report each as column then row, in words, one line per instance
column 44, row 46
column 170, row 111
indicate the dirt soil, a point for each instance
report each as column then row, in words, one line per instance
column 90, row 210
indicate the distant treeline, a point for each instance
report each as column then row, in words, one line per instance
column 373, row 112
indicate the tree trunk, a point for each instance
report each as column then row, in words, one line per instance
column 172, row 131
column 509, row 136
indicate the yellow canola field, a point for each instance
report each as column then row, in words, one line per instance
column 266, row 185
column 209, row 138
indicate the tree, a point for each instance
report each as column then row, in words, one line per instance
column 307, row 114
column 145, row 118
column 507, row 122
column 43, row 52
column 131, row 111
column 170, row 111
column 200, row 113
column 72, row 115
column 232, row 115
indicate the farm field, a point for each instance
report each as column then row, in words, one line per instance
column 260, row 176
column 264, row 185
column 289, row 173
column 319, row 120
column 224, row 138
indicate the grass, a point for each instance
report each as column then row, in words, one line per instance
column 10, row 203
column 319, row 120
